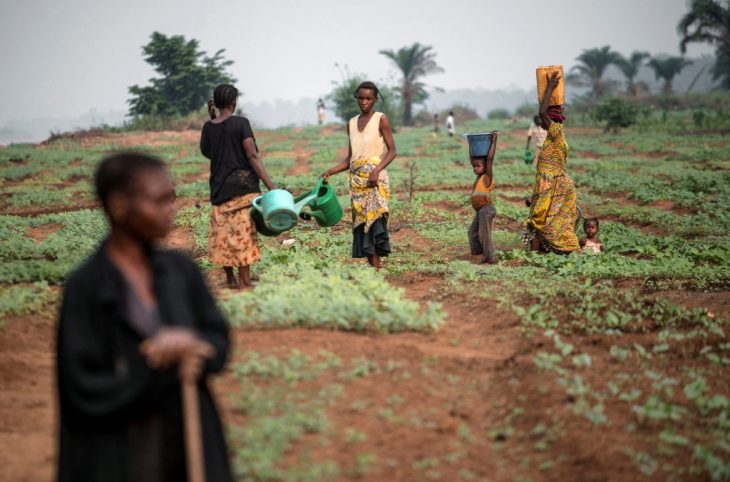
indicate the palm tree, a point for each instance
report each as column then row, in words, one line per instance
column 629, row 66
column 709, row 21
column 414, row 62
column 667, row 67
column 592, row 64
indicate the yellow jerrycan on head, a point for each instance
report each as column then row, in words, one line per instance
column 543, row 75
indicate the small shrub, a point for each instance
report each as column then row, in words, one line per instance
column 497, row 114
column 617, row 113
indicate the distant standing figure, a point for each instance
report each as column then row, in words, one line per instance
column 436, row 123
column 320, row 111
column 538, row 133
column 450, row 125
column 371, row 150
column 235, row 171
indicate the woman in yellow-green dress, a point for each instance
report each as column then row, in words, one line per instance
column 551, row 224
column 371, row 150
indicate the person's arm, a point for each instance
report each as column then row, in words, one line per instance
column 582, row 242
column 387, row 134
column 490, row 157
column 343, row 165
column 205, row 143
column 529, row 138
column 252, row 154
column 553, row 82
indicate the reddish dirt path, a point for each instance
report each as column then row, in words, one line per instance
column 301, row 159
column 27, row 400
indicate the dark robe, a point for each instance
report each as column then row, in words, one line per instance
column 120, row 420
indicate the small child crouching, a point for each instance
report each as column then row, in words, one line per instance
column 591, row 244
column 480, row 231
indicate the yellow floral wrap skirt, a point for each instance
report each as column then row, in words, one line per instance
column 368, row 203
column 553, row 210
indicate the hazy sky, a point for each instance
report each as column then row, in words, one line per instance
column 65, row 57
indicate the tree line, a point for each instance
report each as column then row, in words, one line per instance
column 187, row 75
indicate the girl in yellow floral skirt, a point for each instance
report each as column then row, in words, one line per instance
column 371, row 150
column 551, row 224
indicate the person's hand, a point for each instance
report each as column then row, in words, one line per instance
column 554, row 80
column 211, row 109
column 193, row 361
column 495, row 135
column 326, row 176
column 373, row 179
column 169, row 346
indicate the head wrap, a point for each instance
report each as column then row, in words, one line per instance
column 555, row 112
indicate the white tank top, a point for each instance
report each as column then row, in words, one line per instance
column 368, row 143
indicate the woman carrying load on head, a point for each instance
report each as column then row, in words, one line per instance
column 235, row 171
column 371, row 150
column 550, row 226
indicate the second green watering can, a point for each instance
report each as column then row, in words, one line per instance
column 277, row 210
column 323, row 203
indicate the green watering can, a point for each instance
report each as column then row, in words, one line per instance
column 277, row 210
column 323, row 203
column 528, row 157
column 261, row 227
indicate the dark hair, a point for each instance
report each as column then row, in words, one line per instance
column 224, row 96
column 451, row 112
column 370, row 86
column 482, row 159
column 118, row 172
column 537, row 119
column 590, row 220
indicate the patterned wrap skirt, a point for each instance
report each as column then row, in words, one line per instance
column 368, row 203
column 369, row 210
column 233, row 238
column 553, row 210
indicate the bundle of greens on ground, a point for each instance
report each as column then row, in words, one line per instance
column 298, row 288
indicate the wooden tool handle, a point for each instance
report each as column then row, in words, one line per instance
column 193, row 433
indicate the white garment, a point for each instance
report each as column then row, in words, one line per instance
column 450, row 125
column 592, row 247
column 537, row 133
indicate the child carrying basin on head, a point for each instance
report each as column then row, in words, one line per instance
column 480, row 231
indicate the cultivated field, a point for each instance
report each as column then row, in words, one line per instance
column 542, row 367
